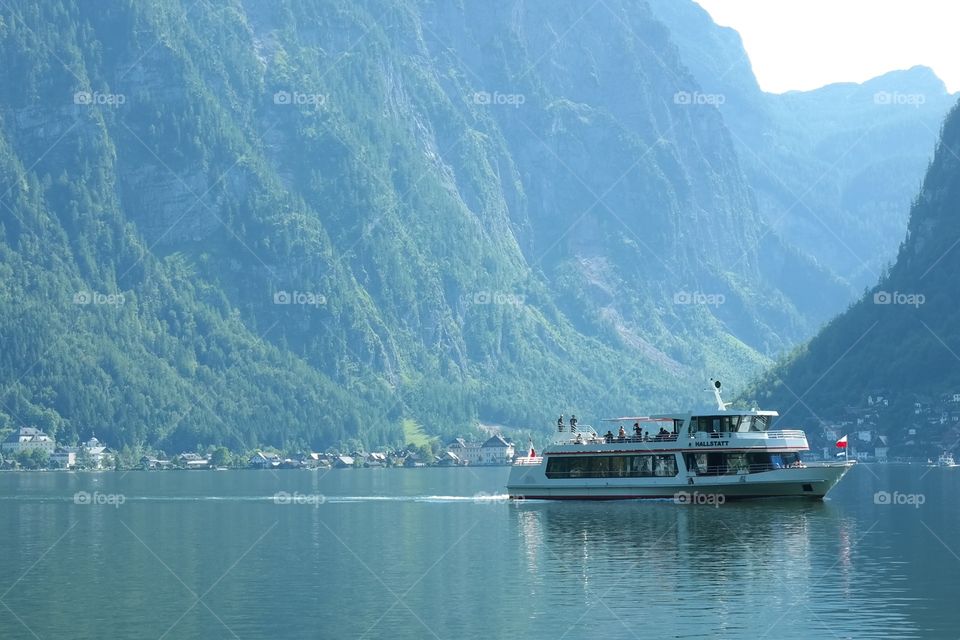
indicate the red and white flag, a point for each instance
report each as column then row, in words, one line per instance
column 842, row 442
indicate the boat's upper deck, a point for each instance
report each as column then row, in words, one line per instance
column 720, row 428
column 712, row 429
column 780, row 440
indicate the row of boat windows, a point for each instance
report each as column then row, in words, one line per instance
column 729, row 424
column 732, row 463
column 628, row 466
column 665, row 465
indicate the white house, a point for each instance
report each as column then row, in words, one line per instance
column 496, row 450
column 261, row 460
column 448, row 459
column 376, row 459
column 192, row 460
column 63, row 459
column 467, row 452
column 92, row 453
column 28, row 439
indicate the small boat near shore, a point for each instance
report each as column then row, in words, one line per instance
column 945, row 461
column 694, row 457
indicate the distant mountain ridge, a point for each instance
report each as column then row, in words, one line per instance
column 834, row 169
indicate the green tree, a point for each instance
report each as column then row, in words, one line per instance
column 24, row 460
column 221, row 457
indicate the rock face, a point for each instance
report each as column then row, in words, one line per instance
column 326, row 217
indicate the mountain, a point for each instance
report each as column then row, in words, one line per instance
column 900, row 340
column 835, row 169
column 306, row 224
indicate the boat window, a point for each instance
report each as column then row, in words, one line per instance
column 642, row 466
column 728, row 424
column 717, row 463
column 628, row 466
column 737, row 463
column 709, row 424
column 716, row 424
column 665, row 466
column 697, row 462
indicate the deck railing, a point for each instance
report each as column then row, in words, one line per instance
column 669, row 472
column 724, row 470
column 780, row 434
column 588, row 475
column 599, row 439
column 587, row 435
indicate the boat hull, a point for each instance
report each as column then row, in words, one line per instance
column 812, row 481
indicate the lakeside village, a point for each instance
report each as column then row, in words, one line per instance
column 883, row 428
column 28, row 448
column 875, row 434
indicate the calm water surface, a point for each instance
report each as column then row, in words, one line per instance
column 424, row 553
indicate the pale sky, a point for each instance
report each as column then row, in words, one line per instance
column 805, row 44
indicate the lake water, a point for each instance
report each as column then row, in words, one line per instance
column 438, row 553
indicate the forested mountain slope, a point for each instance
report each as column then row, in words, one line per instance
column 901, row 339
column 300, row 223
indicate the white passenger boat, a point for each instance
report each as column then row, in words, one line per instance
column 945, row 460
column 696, row 457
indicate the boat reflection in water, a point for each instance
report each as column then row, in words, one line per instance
column 737, row 570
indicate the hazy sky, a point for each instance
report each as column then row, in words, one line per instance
column 804, row 44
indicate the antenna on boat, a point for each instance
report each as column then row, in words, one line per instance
column 721, row 405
